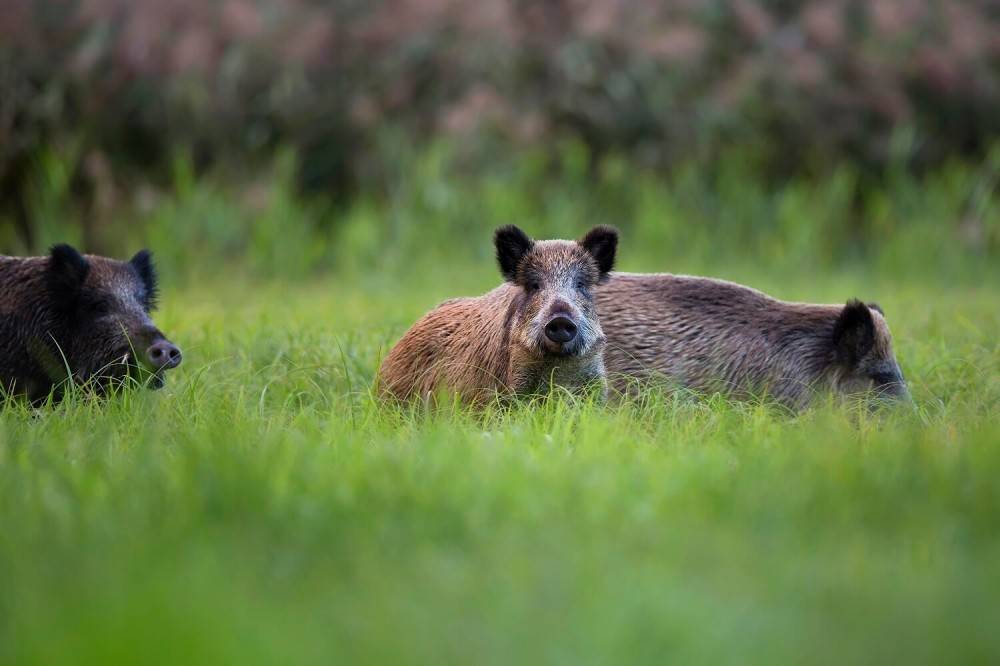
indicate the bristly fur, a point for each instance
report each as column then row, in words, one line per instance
column 716, row 336
column 144, row 265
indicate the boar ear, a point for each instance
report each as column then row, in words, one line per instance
column 602, row 242
column 512, row 244
column 876, row 307
column 854, row 333
column 67, row 271
column 143, row 264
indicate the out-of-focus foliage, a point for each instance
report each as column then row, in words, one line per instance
column 794, row 85
column 432, row 214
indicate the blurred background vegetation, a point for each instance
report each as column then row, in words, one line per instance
column 288, row 137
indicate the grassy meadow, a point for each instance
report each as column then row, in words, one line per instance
column 262, row 508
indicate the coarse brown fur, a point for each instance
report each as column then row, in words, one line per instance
column 86, row 317
column 498, row 343
column 716, row 336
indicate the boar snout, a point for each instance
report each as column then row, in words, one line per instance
column 163, row 355
column 560, row 330
column 895, row 393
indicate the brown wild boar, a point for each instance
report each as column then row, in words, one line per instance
column 716, row 336
column 538, row 328
column 85, row 317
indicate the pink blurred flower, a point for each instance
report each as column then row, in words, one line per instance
column 895, row 18
column 598, row 19
column 194, row 51
column 677, row 43
column 939, row 70
column 240, row 19
column 481, row 105
column 753, row 19
column 806, row 69
column 823, row 22
column 311, row 41
column 141, row 44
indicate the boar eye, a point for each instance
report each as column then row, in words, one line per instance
column 532, row 286
column 98, row 308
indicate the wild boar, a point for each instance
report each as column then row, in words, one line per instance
column 716, row 336
column 67, row 316
column 539, row 328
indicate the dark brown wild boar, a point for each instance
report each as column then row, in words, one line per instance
column 538, row 328
column 716, row 336
column 85, row 317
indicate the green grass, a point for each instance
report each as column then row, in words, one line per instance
column 263, row 509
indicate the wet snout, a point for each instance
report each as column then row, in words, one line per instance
column 163, row 355
column 560, row 329
column 891, row 387
column 895, row 392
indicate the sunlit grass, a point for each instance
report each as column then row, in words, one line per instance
column 262, row 508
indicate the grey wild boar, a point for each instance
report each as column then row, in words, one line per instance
column 67, row 316
column 716, row 336
column 539, row 328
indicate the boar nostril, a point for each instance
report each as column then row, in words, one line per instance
column 163, row 355
column 560, row 330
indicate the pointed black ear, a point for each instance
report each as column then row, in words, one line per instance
column 143, row 264
column 67, row 271
column 512, row 244
column 854, row 333
column 602, row 242
column 876, row 307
